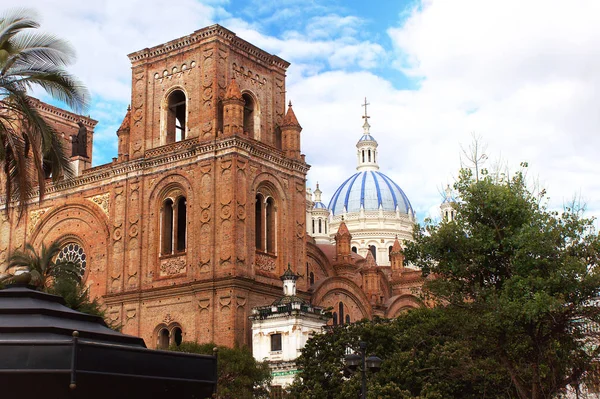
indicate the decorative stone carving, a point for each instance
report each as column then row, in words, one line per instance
column 103, row 201
column 172, row 266
column 205, row 215
column 225, row 212
column 265, row 262
column 225, row 302
column 130, row 313
column 168, row 318
column 203, row 304
column 253, row 78
column 241, row 212
column 34, row 218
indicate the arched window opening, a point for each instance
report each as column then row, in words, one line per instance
column 320, row 226
column 452, row 214
column 74, row 253
column 258, row 218
column 173, row 227
column 177, row 336
column 373, row 250
column 446, row 215
column 390, row 254
column 249, row 114
column 176, row 116
column 311, row 278
column 181, row 224
column 270, row 233
column 163, row 339
column 167, row 227
column 363, row 155
column 326, row 227
column 347, row 319
column 369, row 155
column 335, row 319
column 341, row 306
column 313, row 226
column 355, row 250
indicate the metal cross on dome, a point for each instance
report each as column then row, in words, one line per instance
column 365, row 105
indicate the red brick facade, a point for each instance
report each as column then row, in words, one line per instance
column 204, row 207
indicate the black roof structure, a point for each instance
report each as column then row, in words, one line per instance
column 50, row 351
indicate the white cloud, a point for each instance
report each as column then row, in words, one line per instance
column 525, row 75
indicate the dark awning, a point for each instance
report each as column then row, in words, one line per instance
column 41, row 356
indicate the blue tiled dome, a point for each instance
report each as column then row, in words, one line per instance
column 367, row 137
column 319, row 205
column 369, row 189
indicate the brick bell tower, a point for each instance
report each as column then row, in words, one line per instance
column 221, row 197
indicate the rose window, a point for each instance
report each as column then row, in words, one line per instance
column 73, row 253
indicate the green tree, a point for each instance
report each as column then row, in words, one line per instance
column 43, row 266
column 240, row 376
column 424, row 356
column 29, row 147
column 525, row 277
column 77, row 297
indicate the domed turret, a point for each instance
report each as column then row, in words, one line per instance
column 374, row 207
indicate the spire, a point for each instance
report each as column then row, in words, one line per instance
column 447, row 207
column 343, row 229
column 290, row 117
column 367, row 146
column 233, row 91
column 396, row 247
column 289, row 281
column 318, row 193
column 369, row 261
column 126, row 121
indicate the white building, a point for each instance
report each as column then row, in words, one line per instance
column 280, row 330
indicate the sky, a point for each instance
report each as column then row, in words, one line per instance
column 521, row 75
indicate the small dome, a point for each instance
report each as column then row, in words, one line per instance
column 367, row 137
column 369, row 189
column 319, row 205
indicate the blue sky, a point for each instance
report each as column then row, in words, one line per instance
column 522, row 75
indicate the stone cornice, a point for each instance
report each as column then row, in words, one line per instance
column 164, row 155
column 201, row 35
column 61, row 113
column 191, row 288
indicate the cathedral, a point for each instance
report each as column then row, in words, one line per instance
column 205, row 207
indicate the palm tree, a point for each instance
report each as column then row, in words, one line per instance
column 28, row 144
column 44, row 268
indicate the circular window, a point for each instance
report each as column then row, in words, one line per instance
column 73, row 252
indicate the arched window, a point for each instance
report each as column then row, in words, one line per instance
column 173, row 226
column 347, row 319
column 258, row 224
column 313, row 226
column 311, row 278
column 325, row 226
column 270, row 231
column 181, row 224
column 335, row 319
column 390, row 254
column 373, row 250
column 74, row 253
column 446, row 215
column 265, row 214
column 341, row 306
column 175, row 116
column 177, row 336
column 354, row 250
column 163, row 339
column 369, row 155
column 363, row 155
column 320, row 226
column 249, row 114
